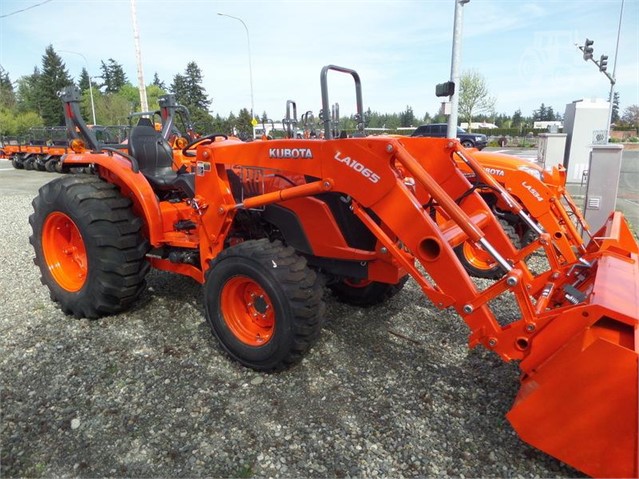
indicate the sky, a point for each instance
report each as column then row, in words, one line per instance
column 401, row 49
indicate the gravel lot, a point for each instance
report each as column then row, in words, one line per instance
column 390, row 391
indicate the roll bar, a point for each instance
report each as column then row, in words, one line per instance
column 325, row 115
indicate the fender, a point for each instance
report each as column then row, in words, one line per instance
column 117, row 169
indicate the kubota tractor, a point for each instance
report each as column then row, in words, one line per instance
column 543, row 196
column 258, row 224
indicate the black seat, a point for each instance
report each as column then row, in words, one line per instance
column 155, row 159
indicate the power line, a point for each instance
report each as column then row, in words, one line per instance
column 24, row 9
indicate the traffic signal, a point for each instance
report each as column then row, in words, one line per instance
column 603, row 63
column 587, row 49
column 445, row 89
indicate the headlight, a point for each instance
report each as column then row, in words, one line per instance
column 531, row 171
column 479, row 138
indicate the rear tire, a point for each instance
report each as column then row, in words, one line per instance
column 88, row 245
column 29, row 164
column 50, row 165
column 366, row 293
column 479, row 263
column 39, row 165
column 17, row 162
column 263, row 304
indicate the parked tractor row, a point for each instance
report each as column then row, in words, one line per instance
column 263, row 225
column 42, row 147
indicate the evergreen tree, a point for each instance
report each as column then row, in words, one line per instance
column 53, row 79
column 540, row 114
column 615, row 108
column 83, row 83
column 517, row 119
column 407, row 118
column 29, row 98
column 204, row 123
column 157, row 82
column 178, row 88
column 188, row 89
column 243, row 124
column 7, row 95
column 113, row 76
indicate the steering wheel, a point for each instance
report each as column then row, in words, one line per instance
column 208, row 138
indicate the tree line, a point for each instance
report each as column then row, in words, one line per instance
column 32, row 100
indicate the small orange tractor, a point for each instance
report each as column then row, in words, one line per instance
column 259, row 224
column 543, row 196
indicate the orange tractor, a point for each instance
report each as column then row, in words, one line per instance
column 543, row 196
column 262, row 224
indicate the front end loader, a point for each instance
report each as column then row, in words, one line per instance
column 259, row 223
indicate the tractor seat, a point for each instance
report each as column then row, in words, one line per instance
column 155, row 158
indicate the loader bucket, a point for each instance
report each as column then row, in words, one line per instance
column 579, row 397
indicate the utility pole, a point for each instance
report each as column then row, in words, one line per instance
column 454, row 67
column 144, row 106
column 614, row 71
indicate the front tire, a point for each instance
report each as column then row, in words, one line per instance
column 88, row 245
column 479, row 263
column 263, row 304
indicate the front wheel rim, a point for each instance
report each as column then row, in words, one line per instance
column 477, row 257
column 247, row 311
column 64, row 251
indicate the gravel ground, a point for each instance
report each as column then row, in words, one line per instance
column 389, row 391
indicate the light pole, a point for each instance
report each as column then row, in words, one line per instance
column 454, row 67
column 90, row 78
column 248, row 41
column 614, row 71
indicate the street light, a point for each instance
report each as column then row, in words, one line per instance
column 451, row 131
column 248, row 40
column 90, row 78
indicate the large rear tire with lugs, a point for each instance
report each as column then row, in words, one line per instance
column 88, row 245
column 263, row 304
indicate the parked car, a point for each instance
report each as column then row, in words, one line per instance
column 468, row 140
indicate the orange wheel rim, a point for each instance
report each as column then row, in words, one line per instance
column 64, row 251
column 477, row 257
column 247, row 311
